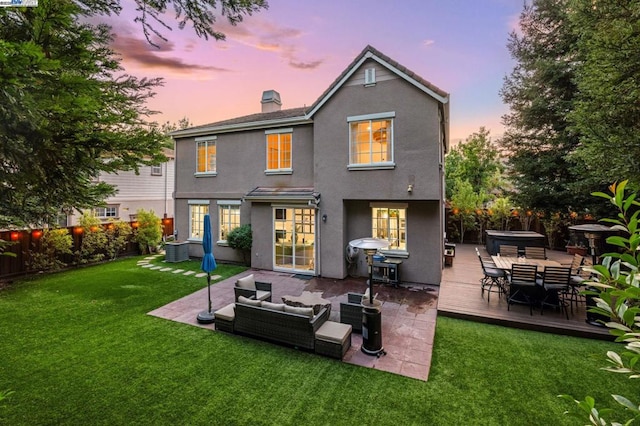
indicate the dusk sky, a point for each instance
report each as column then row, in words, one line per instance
column 298, row 47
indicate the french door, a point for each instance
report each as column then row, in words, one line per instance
column 294, row 239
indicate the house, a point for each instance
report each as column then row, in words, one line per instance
column 366, row 159
column 150, row 189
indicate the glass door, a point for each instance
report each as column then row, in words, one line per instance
column 294, row 239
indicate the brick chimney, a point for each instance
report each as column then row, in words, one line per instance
column 271, row 101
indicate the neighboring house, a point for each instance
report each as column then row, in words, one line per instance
column 151, row 189
column 366, row 159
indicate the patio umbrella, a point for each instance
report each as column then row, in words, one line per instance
column 208, row 265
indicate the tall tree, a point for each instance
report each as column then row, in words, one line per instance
column 540, row 92
column 477, row 161
column 66, row 113
column 607, row 113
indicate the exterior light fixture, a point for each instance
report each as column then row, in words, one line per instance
column 36, row 234
column 15, row 235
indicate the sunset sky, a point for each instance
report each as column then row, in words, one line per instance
column 298, row 47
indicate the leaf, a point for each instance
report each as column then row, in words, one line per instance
column 626, row 403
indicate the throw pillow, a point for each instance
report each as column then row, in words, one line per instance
column 273, row 306
column 247, row 282
column 247, row 301
column 308, row 312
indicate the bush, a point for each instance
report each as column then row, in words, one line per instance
column 54, row 243
column 148, row 234
column 117, row 233
column 241, row 238
column 94, row 240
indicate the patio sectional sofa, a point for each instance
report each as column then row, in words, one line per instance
column 288, row 325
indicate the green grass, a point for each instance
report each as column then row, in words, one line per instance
column 78, row 349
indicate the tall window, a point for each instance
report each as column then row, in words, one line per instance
column 391, row 225
column 106, row 212
column 197, row 210
column 279, row 150
column 206, row 155
column 370, row 141
column 229, row 219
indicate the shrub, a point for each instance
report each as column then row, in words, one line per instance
column 148, row 234
column 117, row 233
column 241, row 238
column 94, row 240
column 53, row 244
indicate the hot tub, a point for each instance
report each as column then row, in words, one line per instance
column 521, row 239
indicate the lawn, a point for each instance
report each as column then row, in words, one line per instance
column 78, row 349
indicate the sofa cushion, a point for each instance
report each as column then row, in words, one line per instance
column 299, row 310
column 247, row 282
column 248, row 301
column 227, row 313
column 333, row 332
column 273, row 306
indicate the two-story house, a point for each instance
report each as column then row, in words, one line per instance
column 366, row 159
column 150, row 189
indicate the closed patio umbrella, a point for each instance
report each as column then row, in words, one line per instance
column 208, row 265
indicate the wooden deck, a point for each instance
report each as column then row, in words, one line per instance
column 460, row 297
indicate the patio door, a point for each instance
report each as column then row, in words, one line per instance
column 294, row 239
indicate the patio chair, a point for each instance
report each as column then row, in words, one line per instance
column 252, row 289
column 351, row 310
column 492, row 277
column 507, row 250
column 579, row 275
column 535, row 252
column 523, row 287
column 555, row 282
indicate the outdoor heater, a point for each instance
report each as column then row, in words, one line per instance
column 371, row 315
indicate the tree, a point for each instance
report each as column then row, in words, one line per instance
column 541, row 91
column 464, row 204
column 477, row 161
column 148, row 233
column 607, row 111
column 65, row 115
column 201, row 14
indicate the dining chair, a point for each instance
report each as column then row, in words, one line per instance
column 555, row 283
column 523, row 287
column 507, row 250
column 492, row 277
column 535, row 252
column 578, row 276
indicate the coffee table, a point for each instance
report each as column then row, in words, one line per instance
column 308, row 299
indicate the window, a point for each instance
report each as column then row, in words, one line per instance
column 370, row 76
column 197, row 210
column 106, row 212
column 390, row 223
column 279, row 150
column 156, row 170
column 206, row 155
column 371, row 140
column 229, row 218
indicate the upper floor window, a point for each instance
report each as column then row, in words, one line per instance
column 279, row 150
column 106, row 212
column 371, row 140
column 390, row 223
column 156, row 170
column 197, row 210
column 229, row 218
column 206, row 155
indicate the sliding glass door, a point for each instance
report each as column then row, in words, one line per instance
column 294, row 239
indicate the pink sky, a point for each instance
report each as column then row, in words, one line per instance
column 299, row 47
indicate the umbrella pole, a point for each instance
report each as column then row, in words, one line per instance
column 207, row 317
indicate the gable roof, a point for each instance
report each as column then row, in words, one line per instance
column 304, row 115
column 370, row 52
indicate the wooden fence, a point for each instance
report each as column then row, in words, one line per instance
column 27, row 242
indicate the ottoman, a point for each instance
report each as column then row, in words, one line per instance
column 224, row 318
column 333, row 339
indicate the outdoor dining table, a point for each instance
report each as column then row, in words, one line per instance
column 505, row 262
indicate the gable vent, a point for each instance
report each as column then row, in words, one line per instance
column 370, row 76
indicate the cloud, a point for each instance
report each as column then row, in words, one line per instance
column 269, row 37
column 140, row 52
column 428, row 42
